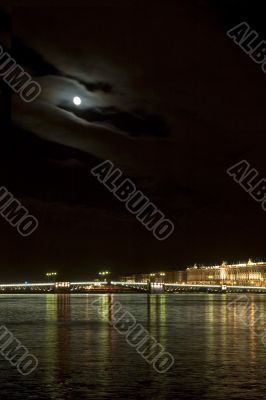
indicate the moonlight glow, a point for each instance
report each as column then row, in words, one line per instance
column 77, row 100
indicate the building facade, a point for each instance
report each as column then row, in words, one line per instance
column 250, row 273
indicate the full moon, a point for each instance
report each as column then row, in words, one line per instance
column 77, row 100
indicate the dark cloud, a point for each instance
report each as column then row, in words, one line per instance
column 138, row 124
column 31, row 59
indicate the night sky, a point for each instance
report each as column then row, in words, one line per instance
column 168, row 98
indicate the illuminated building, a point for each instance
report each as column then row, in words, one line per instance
column 249, row 273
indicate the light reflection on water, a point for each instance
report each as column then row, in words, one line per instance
column 218, row 351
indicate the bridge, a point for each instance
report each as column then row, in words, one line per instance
column 116, row 286
column 175, row 287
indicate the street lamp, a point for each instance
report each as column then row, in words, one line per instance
column 152, row 277
column 104, row 273
column 51, row 275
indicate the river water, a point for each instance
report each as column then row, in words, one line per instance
column 215, row 339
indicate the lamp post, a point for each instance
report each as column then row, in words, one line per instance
column 51, row 276
column 105, row 274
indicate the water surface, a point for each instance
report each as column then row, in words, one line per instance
column 217, row 348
